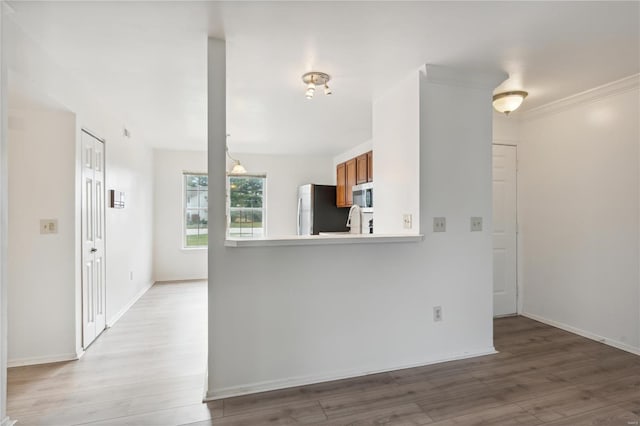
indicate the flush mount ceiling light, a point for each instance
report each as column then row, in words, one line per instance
column 316, row 78
column 507, row 102
column 237, row 169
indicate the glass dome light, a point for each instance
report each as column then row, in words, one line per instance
column 507, row 102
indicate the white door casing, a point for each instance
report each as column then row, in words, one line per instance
column 93, row 245
column 505, row 294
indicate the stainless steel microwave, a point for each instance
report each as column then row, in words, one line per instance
column 363, row 196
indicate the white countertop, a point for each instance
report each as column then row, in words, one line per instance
column 323, row 239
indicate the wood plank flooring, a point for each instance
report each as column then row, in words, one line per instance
column 152, row 363
column 149, row 370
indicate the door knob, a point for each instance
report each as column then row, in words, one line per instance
column 93, row 250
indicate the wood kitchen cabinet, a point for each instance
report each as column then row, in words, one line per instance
column 341, row 185
column 361, row 169
column 345, row 179
column 353, row 172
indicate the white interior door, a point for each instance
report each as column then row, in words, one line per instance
column 505, row 293
column 93, row 247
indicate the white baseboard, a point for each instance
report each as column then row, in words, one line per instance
column 186, row 280
column 7, row 422
column 114, row 319
column 584, row 333
column 308, row 380
column 21, row 362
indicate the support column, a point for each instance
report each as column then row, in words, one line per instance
column 217, row 131
column 4, row 418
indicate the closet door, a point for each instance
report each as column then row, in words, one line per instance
column 93, row 244
column 505, row 291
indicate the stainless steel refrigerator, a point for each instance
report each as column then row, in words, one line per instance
column 317, row 211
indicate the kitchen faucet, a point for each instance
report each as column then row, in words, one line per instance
column 354, row 222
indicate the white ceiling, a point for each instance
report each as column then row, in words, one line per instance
column 147, row 60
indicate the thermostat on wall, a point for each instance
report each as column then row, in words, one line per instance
column 116, row 199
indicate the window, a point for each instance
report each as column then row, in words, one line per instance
column 196, row 210
column 246, row 213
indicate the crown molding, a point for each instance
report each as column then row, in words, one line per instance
column 451, row 76
column 592, row 95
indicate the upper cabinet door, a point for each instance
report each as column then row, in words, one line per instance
column 351, row 180
column 370, row 166
column 341, row 185
column 361, row 169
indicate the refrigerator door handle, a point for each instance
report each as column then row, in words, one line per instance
column 299, row 212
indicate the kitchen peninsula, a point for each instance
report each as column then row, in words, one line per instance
column 307, row 240
column 282, row 316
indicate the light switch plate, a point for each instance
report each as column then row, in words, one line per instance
column 407, row 221
column 48, row 226
column 439, row 224
column 476, row 224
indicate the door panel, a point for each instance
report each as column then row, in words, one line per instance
column 99, row 245
column 504, row 231
column 341, row 185
column 361, row 169
column 88, row 324
column 93, row 246
column 88, row 210
column 351, row 181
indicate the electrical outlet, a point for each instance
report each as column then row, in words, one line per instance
column 407, row 221
column 476, row 224
column 437, row 313
column 439, row 224
column 48, row 226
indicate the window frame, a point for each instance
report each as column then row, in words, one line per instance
column 183, row 236
column 262, row 176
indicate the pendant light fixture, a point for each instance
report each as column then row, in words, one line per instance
column 507, row 102
column 316, row 78
column 237, row 168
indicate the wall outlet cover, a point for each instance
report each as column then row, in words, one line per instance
column 437, row 313
column 476, row 224
column 407, row 221
column 439, row 224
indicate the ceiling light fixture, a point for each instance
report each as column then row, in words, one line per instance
column 316, row 78
column 507, row 102
column 311, row 90
column 237, row 169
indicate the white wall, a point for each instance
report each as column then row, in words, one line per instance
column 129, row 168
column 129, row 231
column 171, row 260
column 285, row 173
column 579, row 214
column 506, row 128
column 282, row 316
column 41, row 182
column 396, row 160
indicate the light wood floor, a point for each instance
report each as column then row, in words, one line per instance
column 149, row 370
